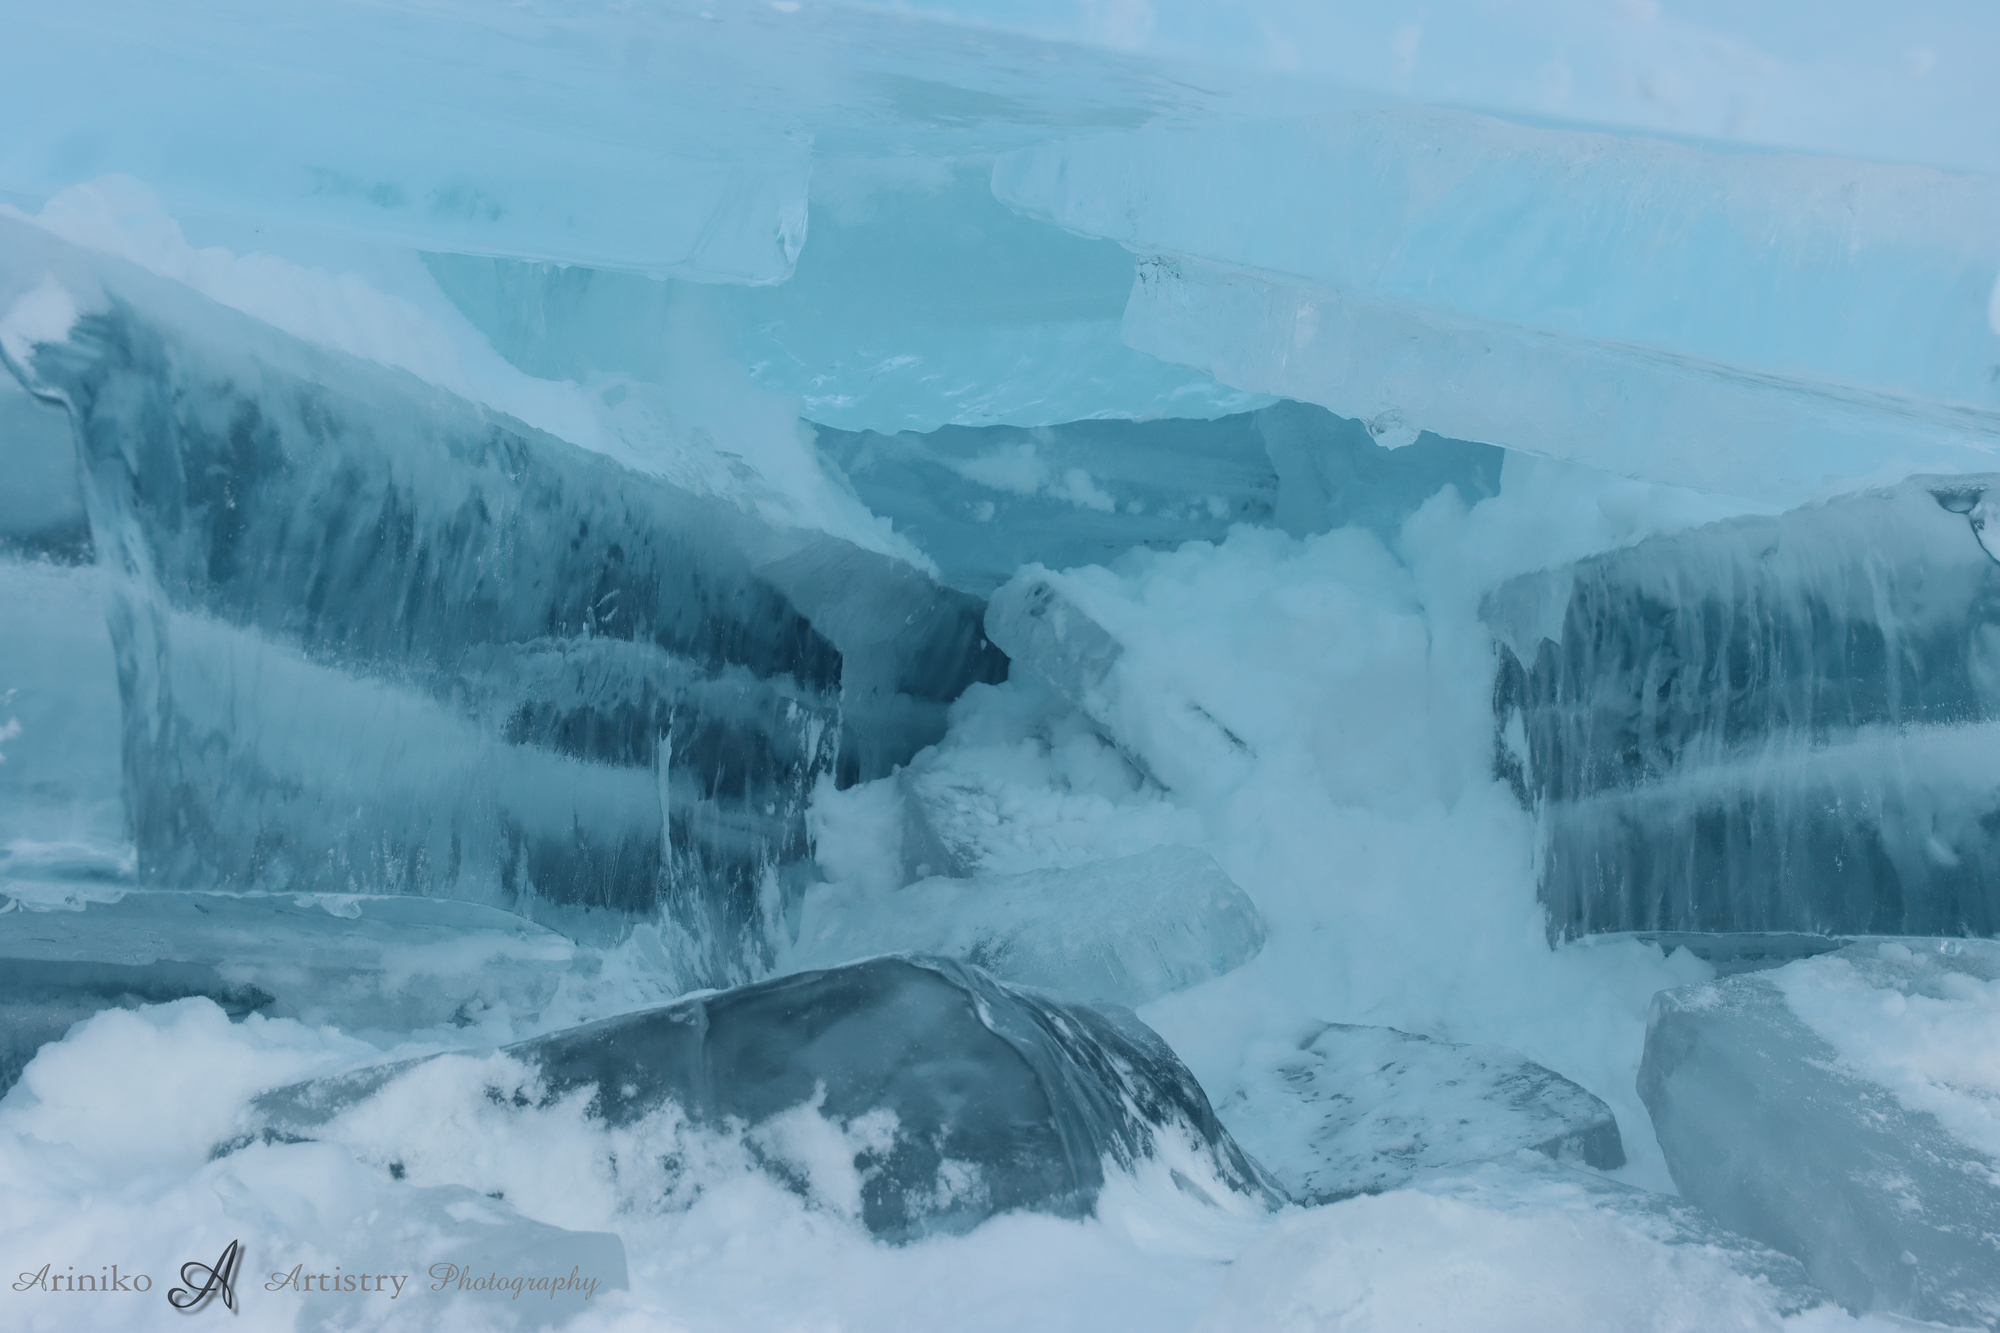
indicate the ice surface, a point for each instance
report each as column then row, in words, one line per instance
column 969, row 1097
column 1766, row 724
column 1511, row 1246
column 919, row 301
column 62, row 819
column 1756, row 325
column 1358, row 1110
column 1904, row 84
column 327, row 624
column 1124, row 931
column 983, row 503
column 390, row 965
column 1809, row 1108
column 41, row 507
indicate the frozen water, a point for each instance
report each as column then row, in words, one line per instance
column 983, row 503
column 1358, row 1110
column 1047, row 633
column 593, row 500
column 968, row 1098
column 322, row 627
column 1124, row 931
column 1517, row 1245
column 1767, row 724
column 1758, row 325
column 387, row 965
column 62, row 818
column 41, row 507
column 919, row 301
column 1842, row 1109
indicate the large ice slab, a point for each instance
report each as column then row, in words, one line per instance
column 1124, row 931
column 995, row 1099
column 1358, row 1110
column 372, row 637
column 1756, row 325
column 1841, row 1110
column 1766, row 724
column 919, row 301
column 1899, row 84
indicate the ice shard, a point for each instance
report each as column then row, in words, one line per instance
column 1840, row 1110
column 1767, row 724
column 1358, row 1110
column 1001, row 1099
column 371, row 637
column 1123, row 931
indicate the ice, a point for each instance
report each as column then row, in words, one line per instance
column 1517, row 1245
column 1123, row 931
column 387, row 965
column 1766, row 724
column 1358, row 1110
column 919, row 301
column 336, row 677
column 965, row 1097
column 1903, row 84
column 41, row 507
column 982, row 503
column 1046, row 632
column 1842, row 1109
column 62, row 818
column 1759, row 325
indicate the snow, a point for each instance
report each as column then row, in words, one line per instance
column 1922, row 1019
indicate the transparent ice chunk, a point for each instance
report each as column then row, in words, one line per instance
column 1800, row 1135
column 1125, row 931
column 1358, row 1110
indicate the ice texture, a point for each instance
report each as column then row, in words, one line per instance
column 1761, row 325
column 1515, row 1245
column 385, row 965
column 984, row 502
column 41, row 507
column 1766, row 724
column 997, row 1098
column 1358, row 1110
column 373, row 637
column 1123, row 931
column 62, row 819
column 1046, row 632
column 919, row 301
column 1877, row 1169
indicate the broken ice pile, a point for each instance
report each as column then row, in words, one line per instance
column 1846, row 1109
column 958, row 1097
column 1358, row 1110
column 1767, row 724
column 371, row 636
